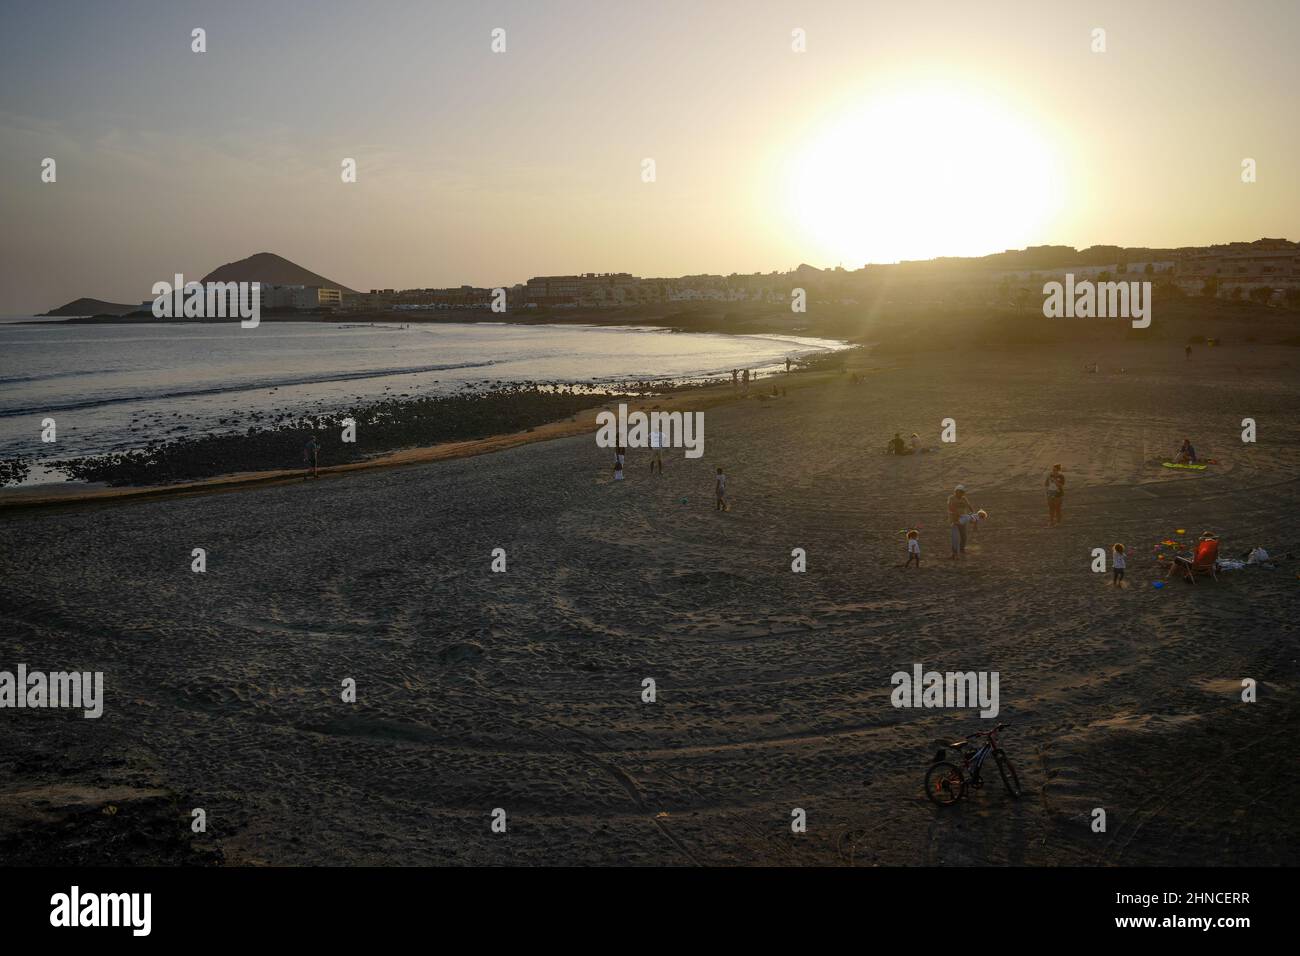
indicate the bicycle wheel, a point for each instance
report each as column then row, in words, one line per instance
column 1009, row 778
column 944, row 784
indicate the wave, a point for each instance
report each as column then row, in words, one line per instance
column 314, row 379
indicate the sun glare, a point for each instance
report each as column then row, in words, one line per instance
column 922, row 174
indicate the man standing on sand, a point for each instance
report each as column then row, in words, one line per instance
column 656, row 452
column 1055, row 485
column 958, row 505
column 311, row 454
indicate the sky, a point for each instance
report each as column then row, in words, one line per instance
column 832, row 133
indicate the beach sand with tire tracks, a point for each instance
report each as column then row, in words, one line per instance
column 523, row 690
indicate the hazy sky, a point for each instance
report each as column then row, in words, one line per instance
column 905, row 130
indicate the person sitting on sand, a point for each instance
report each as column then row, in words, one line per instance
column 1186, row 454
column 897, row 446
column 913, row 548
column 916, row 445
column 720, row 492
column 311, row 454
column 1118, row 564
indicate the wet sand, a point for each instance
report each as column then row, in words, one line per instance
column 523, row 690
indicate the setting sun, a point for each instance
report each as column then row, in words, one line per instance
column 920, row 174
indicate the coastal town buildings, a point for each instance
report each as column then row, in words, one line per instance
column 1241, row 268
column 1266, row 270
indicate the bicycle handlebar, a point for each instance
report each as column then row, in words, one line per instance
column 985, row 733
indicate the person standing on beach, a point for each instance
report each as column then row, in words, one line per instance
column 958, row 505
column 311, row 454
column 1118, row 564
column 1055, row 485
column 734, row 377
column 744, row 380
column 720, row 492
column 656, row 452
column 619, row 454
column 787, row 365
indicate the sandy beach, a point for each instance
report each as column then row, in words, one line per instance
column 522, row 690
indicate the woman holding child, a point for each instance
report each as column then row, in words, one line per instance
column 958, row 506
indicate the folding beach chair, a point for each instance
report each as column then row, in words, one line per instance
column 1203, row 562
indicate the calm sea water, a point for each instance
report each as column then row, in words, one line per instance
column 113, row 388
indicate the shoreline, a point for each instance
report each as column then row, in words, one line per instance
column 697, row 398
column 704, row 316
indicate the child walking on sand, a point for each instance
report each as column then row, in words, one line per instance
column 913, row 549
column 720, row 490
column 1118, row 564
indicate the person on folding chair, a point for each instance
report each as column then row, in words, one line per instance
column 1202, row 561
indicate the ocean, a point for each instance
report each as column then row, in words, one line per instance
column 117, row 387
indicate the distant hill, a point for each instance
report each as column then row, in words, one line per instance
column 270, row 269
column 91, row 307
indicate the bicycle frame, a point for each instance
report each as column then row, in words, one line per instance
column 942, row 789
column 975, row 761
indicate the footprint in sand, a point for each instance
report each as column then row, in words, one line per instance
column 466, row 653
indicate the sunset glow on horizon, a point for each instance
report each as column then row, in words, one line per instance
column 886, row 135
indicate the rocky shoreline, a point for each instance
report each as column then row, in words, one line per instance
column 382, row 426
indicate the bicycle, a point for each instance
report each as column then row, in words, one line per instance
column 946, row 783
